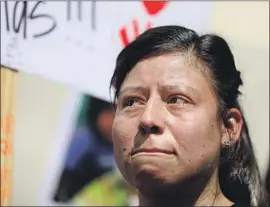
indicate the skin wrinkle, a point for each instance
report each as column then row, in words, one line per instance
column 197, row 145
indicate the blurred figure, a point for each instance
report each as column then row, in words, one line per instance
column 90, row 154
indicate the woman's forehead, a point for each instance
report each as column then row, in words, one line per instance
column 169, row 69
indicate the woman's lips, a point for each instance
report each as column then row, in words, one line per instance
column 152, row 150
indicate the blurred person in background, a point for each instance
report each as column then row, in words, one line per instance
column 179, row 134
column 90, row 154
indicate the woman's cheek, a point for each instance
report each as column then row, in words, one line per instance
column 123, row 134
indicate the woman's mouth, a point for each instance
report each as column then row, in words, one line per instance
column 152, row 150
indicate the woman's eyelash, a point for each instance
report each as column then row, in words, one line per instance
column 130, row 102
column 177, row 100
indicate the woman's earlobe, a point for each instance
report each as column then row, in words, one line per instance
column 226, row 140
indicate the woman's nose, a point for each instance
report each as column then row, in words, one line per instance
column 152, row 118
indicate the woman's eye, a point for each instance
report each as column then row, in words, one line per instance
column 176, row 100
column 130, row 102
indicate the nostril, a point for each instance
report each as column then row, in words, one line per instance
column 155, row 130
column 150, row 130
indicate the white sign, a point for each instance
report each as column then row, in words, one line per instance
column 77, row 42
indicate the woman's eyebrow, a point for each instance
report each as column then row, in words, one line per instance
column 175, row 87
column 132, row 89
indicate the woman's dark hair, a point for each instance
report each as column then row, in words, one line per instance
column 239, row 174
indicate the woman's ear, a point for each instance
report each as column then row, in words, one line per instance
column 232, row 131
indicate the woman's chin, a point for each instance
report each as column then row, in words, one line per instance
column 151, row 180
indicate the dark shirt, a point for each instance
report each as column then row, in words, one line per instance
column 86, row 143
column 87, row 159
column 240, row 204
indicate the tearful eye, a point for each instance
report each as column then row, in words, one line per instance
column 176, row 100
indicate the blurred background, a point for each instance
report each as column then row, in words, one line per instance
column 62, row 151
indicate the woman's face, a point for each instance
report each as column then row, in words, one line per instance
column 170, row 93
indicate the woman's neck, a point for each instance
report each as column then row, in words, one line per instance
column 190, row 194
